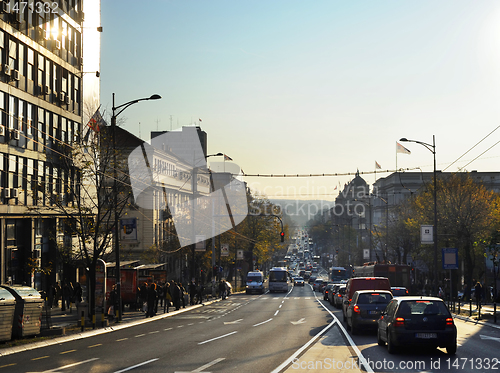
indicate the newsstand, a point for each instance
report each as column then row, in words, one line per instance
column 7, row 306
column 28, row 311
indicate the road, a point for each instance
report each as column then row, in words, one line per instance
column 250, row 333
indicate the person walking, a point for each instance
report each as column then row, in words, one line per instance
column 167, row 296
column 112, row 303
column 478, row 293
column 78, row 293
column 192, row 292
column 175, row 293
column 222, row 289
column 201, row 290
column 182, row 293
column 151, row 300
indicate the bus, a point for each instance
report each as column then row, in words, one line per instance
column 278, row 279
column 337, row 274
column 398, row 274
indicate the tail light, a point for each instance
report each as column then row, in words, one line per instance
column 356, row 309
column 400, row 321
column 449, row 321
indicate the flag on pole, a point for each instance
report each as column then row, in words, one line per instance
column 227, row 158
column 377, row 166
column 401, row 149
column 96, row 120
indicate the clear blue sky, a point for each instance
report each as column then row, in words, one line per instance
column 300, row 87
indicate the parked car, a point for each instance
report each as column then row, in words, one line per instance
column 365, row 308
column 299, row 281
column 398, row 291
column 417, row 321
column 337, row 303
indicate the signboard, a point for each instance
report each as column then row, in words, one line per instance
column 200, row 243
column 427, row 234
column 366, row 253
column 128, row 229
column 450, row 258
column 239, row 254
column 224, row 249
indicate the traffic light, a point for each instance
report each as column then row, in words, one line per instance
column 337, row 251
column 282, row 234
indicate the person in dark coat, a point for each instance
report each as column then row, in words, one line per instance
column 167, row 297
column 182, row 291
column 201, row 290
column 152, row 295
column 478, row 293
column 175, row 293
column 112, row 303
column 222, row 289
column 78, row 293
column 192, row 292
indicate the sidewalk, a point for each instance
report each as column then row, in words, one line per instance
column 486, row 317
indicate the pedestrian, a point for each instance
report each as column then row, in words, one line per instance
column 182, row 292
column 57, row 294
column 478, row 293
column 112, row 301
column 201, row 290
column 78, row 293
column 151, row 300
column 143, row 297
column 192, row 292
column 167, row 296
column 222, row 289
column 51, row 295
column 175, row 293
column 67, row 293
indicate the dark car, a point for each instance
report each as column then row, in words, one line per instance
column 398, row 291
column 417, row 321
column 327, row 289
column 331, row 295
column 311, row 279
column 365, row 308
column 338, row 299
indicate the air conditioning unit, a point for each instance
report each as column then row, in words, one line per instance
column 6, row 69
column 5, row 7
column 2, row 130
column 62, row 96
column 46, row 90
column 15, row 75
column 15, row 135
column 67, row 100
column 6, row 193
column 14, row 193
column 57, row 44
column 39, row 90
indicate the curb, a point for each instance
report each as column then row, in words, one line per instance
column 91, row 333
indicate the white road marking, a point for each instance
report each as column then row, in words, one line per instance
column 198, row 370
column 232, row 322
column 263, row 322
column 301, row 321
column 213, row 339
column 135, row 366
column 276, row 312
column 488, row 337
column 71, row 365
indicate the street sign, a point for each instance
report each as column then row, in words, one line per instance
column 450, row 258
column 427, row 234
column 224, row 249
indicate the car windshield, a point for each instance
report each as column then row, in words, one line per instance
column 423, row 307
column 373, row 298
column 254, row 279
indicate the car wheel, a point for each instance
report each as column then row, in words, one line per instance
column 452, row 348
column 380, row 342
column 390, row 344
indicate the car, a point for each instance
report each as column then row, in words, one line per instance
column 328, row 288
column 299, row 281
column 365, row 309
column 337, row 301
column 311, row 279
column 322, row 286
column 363, row 283
column 417, row 321
column 317, row 284
column 398, row 291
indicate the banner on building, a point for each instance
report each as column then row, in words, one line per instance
column 128, row 229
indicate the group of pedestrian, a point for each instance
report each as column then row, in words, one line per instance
column 68, row 294
column 196, row 293
column 153, row 296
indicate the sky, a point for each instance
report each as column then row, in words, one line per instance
column 311, row 87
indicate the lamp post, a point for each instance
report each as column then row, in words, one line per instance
column 115, row 192
column 432, row 149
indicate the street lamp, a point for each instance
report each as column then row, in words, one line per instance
column 115, row 197
column 432, row 149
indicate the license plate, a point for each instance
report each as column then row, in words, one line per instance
column 426, row 335
column 374, row 312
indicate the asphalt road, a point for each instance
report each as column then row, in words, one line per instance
column 245, row 333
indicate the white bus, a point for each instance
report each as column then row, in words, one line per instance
column 278, row 279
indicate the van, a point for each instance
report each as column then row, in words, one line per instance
column 255, row 282
column 363, row 283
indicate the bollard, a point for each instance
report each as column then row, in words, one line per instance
column 459, row 304
column 83, row 321
column 93, row 321
column 102, row 320
column 470, row 307
column 117, row 315
column 495, row 312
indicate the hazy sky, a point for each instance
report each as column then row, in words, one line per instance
column 301, row 87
